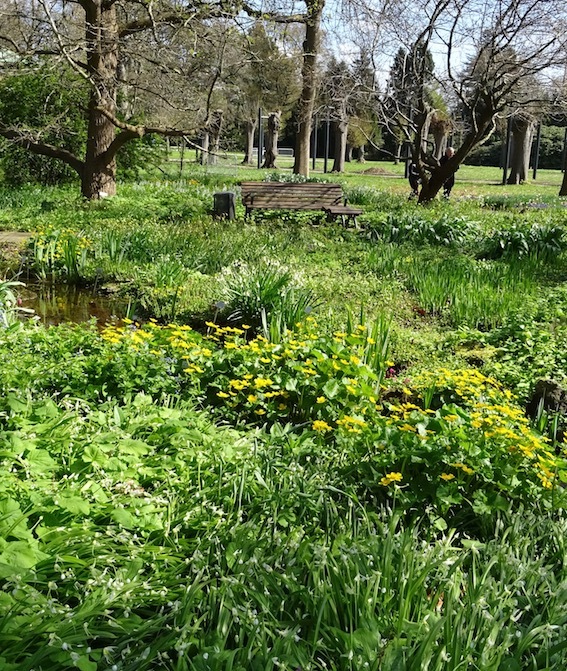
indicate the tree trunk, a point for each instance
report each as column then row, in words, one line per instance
column 360, row 154
column 563, row 190
column 440, row 138
column 522, row 136
column 249, row 147
column 271, row 140
column 205, row 142
column 340, row 131
column 349, row 152
column 399, row 148
column 98, row 178
column 214, row 130
column 309, row 85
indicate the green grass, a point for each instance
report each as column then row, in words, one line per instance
column 349, row 492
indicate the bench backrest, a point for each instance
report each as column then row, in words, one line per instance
column 286, row 195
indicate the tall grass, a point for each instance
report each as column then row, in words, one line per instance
column 465, row 292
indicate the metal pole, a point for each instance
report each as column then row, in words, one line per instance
column 327, row 139
column 260, row 137
column 314, row 147
column 507, row 151
column 537, row 148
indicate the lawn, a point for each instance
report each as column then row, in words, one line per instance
column 303, row 446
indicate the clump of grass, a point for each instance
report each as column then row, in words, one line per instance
column 478, row 294
column 266, row 295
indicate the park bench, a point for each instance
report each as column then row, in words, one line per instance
column 303, row 196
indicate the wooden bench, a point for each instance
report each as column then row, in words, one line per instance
column 303, row 196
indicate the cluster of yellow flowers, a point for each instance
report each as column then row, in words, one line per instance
column 500, row 424
column 262, row 371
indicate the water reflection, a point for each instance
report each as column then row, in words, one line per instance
column 57, row 304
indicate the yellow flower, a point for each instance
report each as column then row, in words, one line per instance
column 321, row 399
column 252, row 398
column 260, row 382
column 447, row 476
column 238, row 384
column 467, row 469
column 391, row 477
column 321, row 426
column 222, row 394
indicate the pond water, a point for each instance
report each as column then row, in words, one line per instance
column 57, row 304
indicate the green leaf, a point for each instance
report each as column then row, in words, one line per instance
column 16, row 405
column 20, row 555
column 40, row 461
column 85, row 664
column 440, row 523
column 124, row 518
column 332, row 388
column 12, row 521
column 74, row 504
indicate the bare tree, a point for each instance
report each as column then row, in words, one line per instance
column 113, row 46
column 512, row 42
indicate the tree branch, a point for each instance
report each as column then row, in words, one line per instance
column 25, row 141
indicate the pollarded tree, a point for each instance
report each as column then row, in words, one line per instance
column 522, row 129
column 513, row 42
column 337, row 95
column 270, row 80
column 363, row 126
